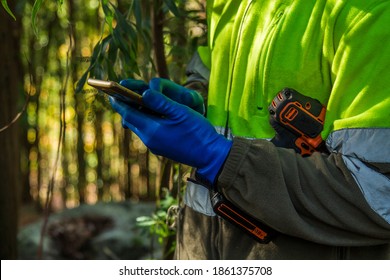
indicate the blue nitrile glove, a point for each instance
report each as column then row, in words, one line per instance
column 174, row 91
column 176, row 132
column 178, row 93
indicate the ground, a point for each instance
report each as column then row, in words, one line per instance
column 101, row 231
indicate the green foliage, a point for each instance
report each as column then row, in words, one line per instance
column 7, row 9
column 35, row 9
column 99, row 160
column 173, row 7
column 127, row 50
column 115, row 55
column 160, row 222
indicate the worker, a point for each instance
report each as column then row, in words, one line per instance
column 329, row 205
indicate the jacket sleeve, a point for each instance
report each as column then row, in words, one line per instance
column 314, row 198
column 343, row 198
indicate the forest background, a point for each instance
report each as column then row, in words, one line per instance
column 61, row 144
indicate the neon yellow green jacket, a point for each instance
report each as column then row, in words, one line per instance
column 345, row 70
column 335, row 51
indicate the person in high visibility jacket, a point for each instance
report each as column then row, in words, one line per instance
column 325, row 206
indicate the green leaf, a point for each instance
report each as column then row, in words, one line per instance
column 125, row 38
column 81, row 82
column 35, row 9
column 112, row 52
column 8, row 10
column 167, row 202
column 172, row 7
column 100, row 48
column 109, row 15
column 138, row 14
column 145, row 221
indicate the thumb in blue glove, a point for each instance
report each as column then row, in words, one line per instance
column 138, row 86
column 176, row 132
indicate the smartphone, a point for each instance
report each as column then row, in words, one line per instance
column 116, row 90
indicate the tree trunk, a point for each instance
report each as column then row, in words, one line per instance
column 11, row 84
column 158, row 38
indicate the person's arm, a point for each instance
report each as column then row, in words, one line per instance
column 314, row 198
column 326, row 199
column 343, row 198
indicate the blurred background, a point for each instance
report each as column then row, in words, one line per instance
column 69, row 172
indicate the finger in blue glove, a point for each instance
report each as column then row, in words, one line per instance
column 178, row 93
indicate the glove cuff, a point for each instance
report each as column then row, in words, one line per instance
column 208, row 175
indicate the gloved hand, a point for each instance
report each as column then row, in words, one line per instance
column 174, row 91
column 176, row 132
